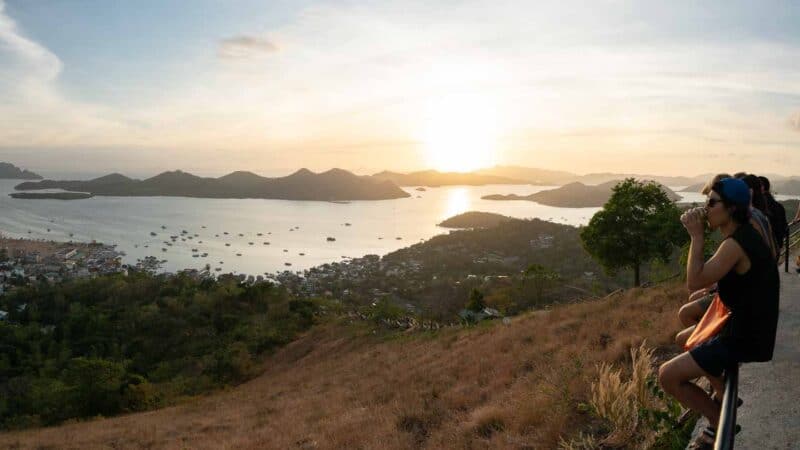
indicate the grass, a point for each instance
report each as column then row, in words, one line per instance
column 523, row 385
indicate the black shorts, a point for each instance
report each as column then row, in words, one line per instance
column 715, row 355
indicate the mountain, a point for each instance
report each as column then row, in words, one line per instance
column 333, row 185
column 789, row 186
column 9, row 171
column 554, row 177
column 574, row 195
column 530, row 174
column 435, row 178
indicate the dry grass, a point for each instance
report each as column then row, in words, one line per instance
column 339, row 386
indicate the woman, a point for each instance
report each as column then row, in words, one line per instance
column 748, row 285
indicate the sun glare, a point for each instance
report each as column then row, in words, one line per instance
column 460, row 133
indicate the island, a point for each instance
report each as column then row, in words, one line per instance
column 332, row 185
column 574, row 195
column 474, row 219
column 51, row 195
column 9, row 171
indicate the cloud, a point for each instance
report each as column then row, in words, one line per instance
column 244, row 47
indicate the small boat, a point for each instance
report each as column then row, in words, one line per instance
column 347, row 224
column 331, row 239
column 398, row 238
column 146, row 246
column 302, row 254
column 259, row 234
column 202, row 226
column 287, row 264
column 224, row 232
column 238, row 254
column 163, row 249
column 284, row 250
column 266, row 243
column 218, row 269
column 194, row 250
column 380, row 237
column 250, row 243
column 48, row 230
column 227, row 245
column 216, row 235
column 241, row 235
column 163, row 227
column 70, row 235
column 204, row 255
column 195, row 255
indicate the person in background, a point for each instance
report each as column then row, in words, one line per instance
column 749, row 285
column 757, row 207
column 776, row 213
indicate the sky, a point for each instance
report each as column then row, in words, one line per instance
column 212, row 86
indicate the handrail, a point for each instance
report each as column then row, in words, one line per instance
column 726, row 429
column 788, row 243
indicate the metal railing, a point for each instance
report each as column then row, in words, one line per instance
column 791, row 240
column 726, row 429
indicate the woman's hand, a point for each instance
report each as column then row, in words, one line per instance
column 693, row 220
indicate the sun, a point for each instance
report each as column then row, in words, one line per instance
column 460, row 133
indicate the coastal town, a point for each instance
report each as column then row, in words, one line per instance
column 25, row 261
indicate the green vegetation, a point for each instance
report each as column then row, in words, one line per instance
column 117, row 344
column 638, row 224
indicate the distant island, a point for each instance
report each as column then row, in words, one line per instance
column 433, row 178
column 573, row 195
column 332, row 185
column 52, row 195
column 475, row 219
column 784, row 186
column 534, row 175
column 9, row 171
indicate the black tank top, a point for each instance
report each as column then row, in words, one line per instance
column 752, row 298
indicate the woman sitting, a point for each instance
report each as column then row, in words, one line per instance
column 748, row 284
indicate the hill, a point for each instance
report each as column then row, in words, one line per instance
column 9, row 171
column 333, row 185
column 573, row 195
column 348, row 384
column 435, row 178
column 555, row 177
column 474, row 219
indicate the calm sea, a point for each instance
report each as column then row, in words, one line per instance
column 290, row 227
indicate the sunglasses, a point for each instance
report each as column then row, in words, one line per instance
column 711, row 202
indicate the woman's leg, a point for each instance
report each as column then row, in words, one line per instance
column 692, row 312
column 675, row 377
column 683, row 336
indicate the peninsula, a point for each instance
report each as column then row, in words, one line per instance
column 573, row 195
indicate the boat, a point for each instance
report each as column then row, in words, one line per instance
column 241, row 235
column 218, row 269
column 285, row 250
column 266, row 243
column 259, row 234
column 195, row 255
column 331, row 239
column 347, row 224
column 238, row 254
column 398, row 238
column 250, row 243
column 287, row 264
column 163, row 227
column 227, row 245
column 194, row 250
column 302, row 254
column 204, row 255
column 163, row 249
column 224, row 232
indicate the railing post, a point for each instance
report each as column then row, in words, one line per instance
column 726, row 429
column 786, row 262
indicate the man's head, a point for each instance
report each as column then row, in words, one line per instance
column 765, row 185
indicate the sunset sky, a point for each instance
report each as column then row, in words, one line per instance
column 210, row 86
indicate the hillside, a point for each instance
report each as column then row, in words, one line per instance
column 332, row 185
column 556, row 177
column 350, row 385
column 573, row 195
column 9, row 171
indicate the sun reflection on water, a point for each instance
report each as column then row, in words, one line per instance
column 458, row 201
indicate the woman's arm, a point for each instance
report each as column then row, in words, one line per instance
column 699, row 273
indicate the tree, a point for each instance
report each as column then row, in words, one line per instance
column 475, row 302
column 536, row 280
column 638, row 224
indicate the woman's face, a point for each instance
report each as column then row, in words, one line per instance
column 716, row 214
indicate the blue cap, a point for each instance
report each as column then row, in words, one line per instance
column 735, row 191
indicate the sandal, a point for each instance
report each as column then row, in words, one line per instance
column 704, row 440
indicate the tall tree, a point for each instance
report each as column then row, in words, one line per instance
column 639, row 223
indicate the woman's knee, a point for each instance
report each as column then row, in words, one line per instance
column 687, row 314
column 666, row 377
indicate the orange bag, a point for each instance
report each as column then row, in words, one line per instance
column 710, row 325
